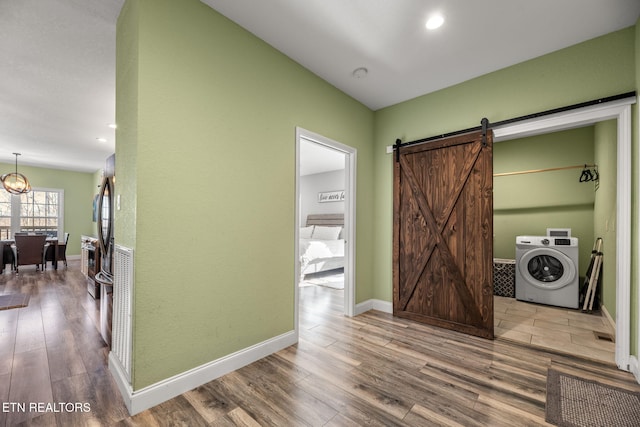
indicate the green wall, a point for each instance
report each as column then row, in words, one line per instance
column 79, row 191
column 206, row 158
column 127, row 64
column 594, row 69
column 604, row 222
column 528, row 204
column 206, row 169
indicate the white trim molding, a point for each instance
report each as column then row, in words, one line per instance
column 607, row 316
column 147, row 397
column 634, row 367
column 570, row 119
column 349, row 217
column 374, row 304
column 619, row 110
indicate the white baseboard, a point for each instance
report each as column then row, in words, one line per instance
column 607, row 315
column 121, row 379
column 374, row 304
column 147, row 397
column 634, row 367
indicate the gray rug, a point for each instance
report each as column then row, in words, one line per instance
column 13, row 301
column 573, row 401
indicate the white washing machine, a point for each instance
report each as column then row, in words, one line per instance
column 547, row 270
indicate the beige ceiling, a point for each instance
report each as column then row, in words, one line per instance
column 57, row 73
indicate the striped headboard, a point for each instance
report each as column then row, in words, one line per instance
column 325, row 219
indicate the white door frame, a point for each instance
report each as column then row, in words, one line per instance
column 349, row 217
column 621, row 111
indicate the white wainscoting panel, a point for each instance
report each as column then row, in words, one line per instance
column 122, row 306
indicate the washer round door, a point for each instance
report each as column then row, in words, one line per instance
column 546, row 268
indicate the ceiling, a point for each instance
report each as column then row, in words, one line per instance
column 57, row 76
column 317, row 158
column 57, row 82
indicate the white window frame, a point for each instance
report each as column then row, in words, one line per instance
column 16, row 205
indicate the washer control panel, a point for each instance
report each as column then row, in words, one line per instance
column 545, row 241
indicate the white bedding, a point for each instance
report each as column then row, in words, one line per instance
column 320, row 255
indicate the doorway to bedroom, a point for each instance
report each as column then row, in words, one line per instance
column 325, row 190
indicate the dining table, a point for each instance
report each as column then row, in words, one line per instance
column 7, row 251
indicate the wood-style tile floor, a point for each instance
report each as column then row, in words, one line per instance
column 372, row 369
column 555, row 328
column 51, row 352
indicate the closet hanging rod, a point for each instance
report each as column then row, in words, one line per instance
column 545, row 170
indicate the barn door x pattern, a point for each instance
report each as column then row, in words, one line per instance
column 443, row 233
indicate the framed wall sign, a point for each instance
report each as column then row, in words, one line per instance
column 331, row 196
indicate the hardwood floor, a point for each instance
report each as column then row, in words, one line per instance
column 372, row 369
column 51, row 352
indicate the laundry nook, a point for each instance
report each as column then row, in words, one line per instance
column 554, row 196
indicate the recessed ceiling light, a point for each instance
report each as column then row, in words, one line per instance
column 360, row 73
column 435, row 21
column 101, row 139
column 112, row 125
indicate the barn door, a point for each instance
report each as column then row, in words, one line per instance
column 443, row 233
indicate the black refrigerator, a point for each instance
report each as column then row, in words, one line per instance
column 106, row 241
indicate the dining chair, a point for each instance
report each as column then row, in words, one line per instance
column 6, row 256
column 62, row 252
column 30, row 250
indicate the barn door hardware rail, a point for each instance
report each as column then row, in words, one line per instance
column 483, row 127
column 486, row 125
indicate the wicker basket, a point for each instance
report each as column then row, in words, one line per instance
column 504, row 277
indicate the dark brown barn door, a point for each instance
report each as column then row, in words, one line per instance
column 443, row 233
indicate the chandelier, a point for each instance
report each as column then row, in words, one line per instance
column 14, row 182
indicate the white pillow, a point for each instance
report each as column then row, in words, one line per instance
column 326, row 233
column 306, row 232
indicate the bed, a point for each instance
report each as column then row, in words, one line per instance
column 322, row 243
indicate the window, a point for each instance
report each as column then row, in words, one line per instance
column 40, row 210
column 5, row 215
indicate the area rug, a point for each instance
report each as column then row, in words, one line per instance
column 573, row 402
column 13, row 301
